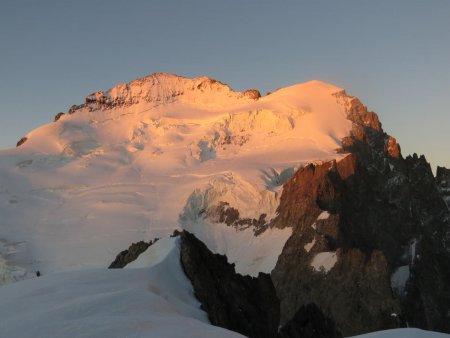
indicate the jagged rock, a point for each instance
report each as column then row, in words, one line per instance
column 75, row 107
column 309, row 322
column 443, row 183
column 224, row 213
column 356, row 291
column 386, row 236
column 146, row 89
column 243, row 304
column 359, row 115
column 58, row 116
column 239, row 140
column 208, row 82
column 252, row 93
column 442, row 174
column 22, row 141
column 131, row 254
column 393, row 148
column 176, row 233
column 97, row 97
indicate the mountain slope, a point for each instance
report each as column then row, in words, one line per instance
column 152, row 299
column 160, row 153
column 302, row 184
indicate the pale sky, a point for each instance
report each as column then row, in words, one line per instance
column 394, row 55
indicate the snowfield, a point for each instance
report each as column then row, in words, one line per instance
column 151, row 297
column 404, row 333
column 324, row 261
column 82, row 189
column 153, row 300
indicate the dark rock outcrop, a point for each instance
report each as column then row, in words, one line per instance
column 58, row 116
column 387, row 226
column 131, row 254
column 355, row 292
column 75, row 107
column 443, row 183
column 224, row 213
column 252, row 93
column 243, row 304
column 309, row 322
column 22, row 141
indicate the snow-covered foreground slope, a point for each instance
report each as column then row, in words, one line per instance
column 151, row 156
column 152, row 299
column 404, row 333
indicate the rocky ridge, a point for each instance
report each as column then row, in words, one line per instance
column 243, row 304
column 443, row 183
column 157, row 88
column 387, row 229
column 131, row 254
column 248, row 305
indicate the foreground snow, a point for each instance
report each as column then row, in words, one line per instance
column 404, row 333
column 154, row 300
column 84, row 188
column 151, row 297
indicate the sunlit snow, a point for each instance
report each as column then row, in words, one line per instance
column 324, row 261
column 155, row 300
column 309, row 246
column 404, row 333
column 82, row 189
column 324, row 215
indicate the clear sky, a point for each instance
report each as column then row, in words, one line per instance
column 394, row 55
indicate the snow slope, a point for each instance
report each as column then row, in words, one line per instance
column 154, row 300
column 404, row 333
column 126, row 165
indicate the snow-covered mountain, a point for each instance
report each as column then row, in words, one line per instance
column 148, row 157
column 302, row 184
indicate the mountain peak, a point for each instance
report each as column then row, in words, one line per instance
column 313, row 87
column 163, row 88
column 173, row 80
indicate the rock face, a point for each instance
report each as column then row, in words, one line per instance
column 22, row 141
column 223, row 213
column 252, row 93
column 443, row 183
column 131, row 254
column 243, row 304
column 309, row 322
column 58, row 116
column 371, row 237
column 356, row 285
